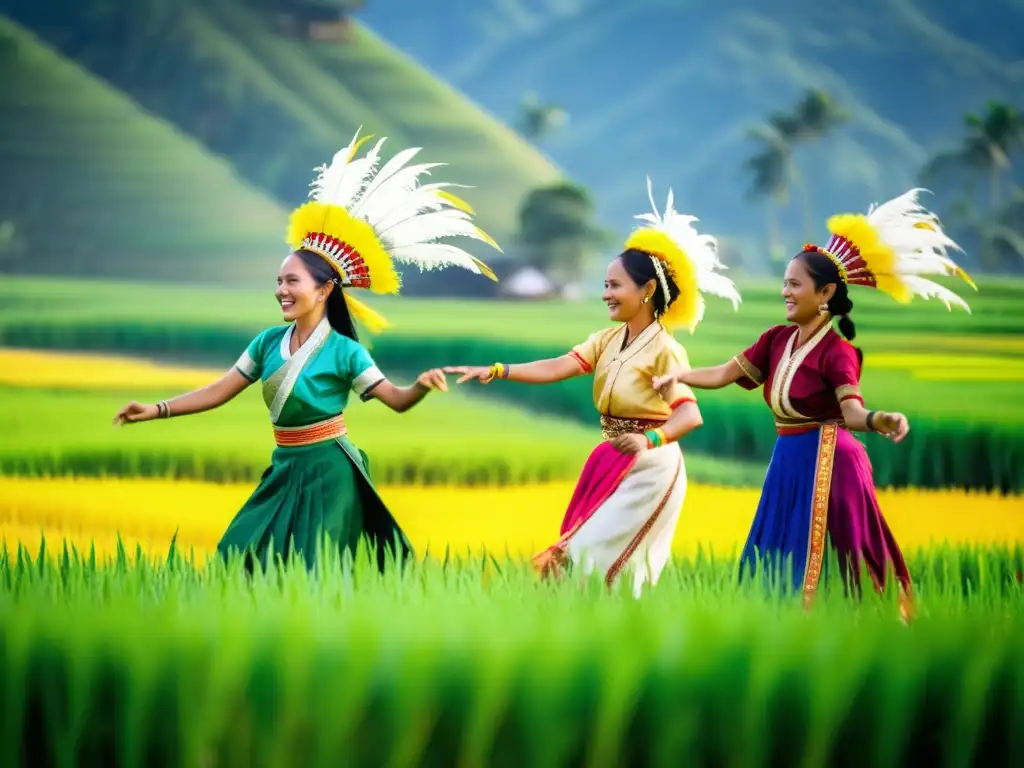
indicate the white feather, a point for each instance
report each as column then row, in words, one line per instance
column 341, row 181
column 701, row 249
column 927, row 289
column 430, row 227
column 394, row 192
column 391, row 167
column 429, row 256
column 417, row 202
column 919, row 251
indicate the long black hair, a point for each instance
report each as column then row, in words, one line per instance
column 639, row 265
column 337, row 308
column 824, row 271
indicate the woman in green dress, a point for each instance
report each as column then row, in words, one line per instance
column 318, row 486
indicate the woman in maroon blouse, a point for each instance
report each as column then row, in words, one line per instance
column 819, row 492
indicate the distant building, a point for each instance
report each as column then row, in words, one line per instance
column 528, row 283
column 319, row 21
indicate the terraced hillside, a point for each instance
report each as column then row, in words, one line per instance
column 277, row 106
column 94, row 186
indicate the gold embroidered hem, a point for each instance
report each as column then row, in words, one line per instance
column 819, row 510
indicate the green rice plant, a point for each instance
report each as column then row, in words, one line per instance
column 460, row 661
column 447, row 440
column 959, row 391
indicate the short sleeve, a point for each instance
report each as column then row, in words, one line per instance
column 755, row 360
column 842, row 372
column 670, row 359
column 250, row 364
column 362, row 371
column 589, row 352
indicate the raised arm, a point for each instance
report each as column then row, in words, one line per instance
column 703, row 378
column 538, row 372
column 214, row 395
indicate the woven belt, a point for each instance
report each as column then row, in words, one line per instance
column 288, row 437
column 612, row 427
column 785, row 430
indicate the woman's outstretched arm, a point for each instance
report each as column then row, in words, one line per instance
column 401, row 399
column 214, row 395
column 703, row 378
column 538, row 372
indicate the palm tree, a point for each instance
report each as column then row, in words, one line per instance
column 540, row 118
column 987, row 150
column 813, row 117
column 773, row 170
column 992, row 138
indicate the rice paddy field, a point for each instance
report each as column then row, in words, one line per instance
column 124, row 642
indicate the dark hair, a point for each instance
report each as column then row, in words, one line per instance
column 824, row 271
column 337, row 308
column 639, row 265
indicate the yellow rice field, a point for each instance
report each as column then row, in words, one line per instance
column 523, row 520
column 66, row 370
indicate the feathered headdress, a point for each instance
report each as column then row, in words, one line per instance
column 891, row 248
column 362, row 220
column 691, row 259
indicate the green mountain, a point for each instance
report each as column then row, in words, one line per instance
column 93, row 186
column 670, row 87
column 277, row 104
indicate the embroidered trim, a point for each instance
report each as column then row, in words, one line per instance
column 819, row 510
column 612, row 427
column 587, row 368
column 294, row 366
column 749, row 369
column 847, row 392
column 246, row 366
column 627, row 553
column 366, row 380
column 330, row 429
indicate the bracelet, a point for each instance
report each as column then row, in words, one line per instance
column 498, row 371
column 867, row 421
column 655, row 438
column 163, row 409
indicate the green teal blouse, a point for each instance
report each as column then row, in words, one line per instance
column 313, row 384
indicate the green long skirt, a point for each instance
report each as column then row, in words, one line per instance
column 312, row 494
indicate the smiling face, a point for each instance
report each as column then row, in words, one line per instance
column 297, row 291
column 623, row 297
column 802, row 298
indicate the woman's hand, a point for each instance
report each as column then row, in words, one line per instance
column 892, row 425
column 478, row 372
column 660, row 382
column 630, row 444
column 134, row 412
column 433, row 379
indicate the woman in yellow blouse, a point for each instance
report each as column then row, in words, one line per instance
column 623, row 513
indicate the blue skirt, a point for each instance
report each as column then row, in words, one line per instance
column 779, row 540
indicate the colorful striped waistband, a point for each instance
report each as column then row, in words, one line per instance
column 288, row 437
column 612, row 427
column 785, row 430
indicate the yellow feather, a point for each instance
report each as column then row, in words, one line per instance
column 374, row 321
column 336, row 222
column 879, row 257
column 484, row 268
column 358, row 145
column 683, row 312
column 488, row 239
column 457, row 201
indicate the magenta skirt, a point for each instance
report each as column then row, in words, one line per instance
column 819, row 500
